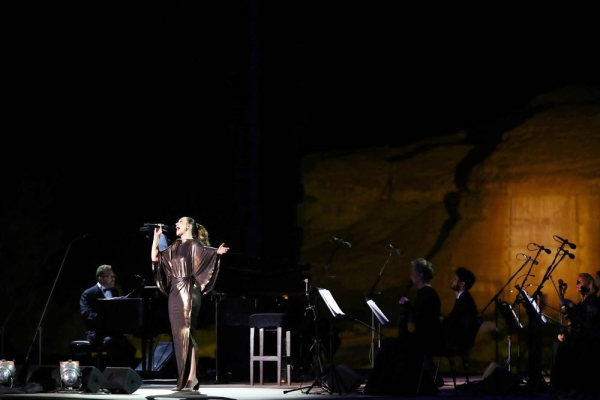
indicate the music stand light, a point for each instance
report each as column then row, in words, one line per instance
column 7, row 373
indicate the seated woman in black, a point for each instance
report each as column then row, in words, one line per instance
column 397, row 369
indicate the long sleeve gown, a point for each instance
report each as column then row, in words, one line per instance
column 185, row 271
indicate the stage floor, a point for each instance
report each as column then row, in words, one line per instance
column 162, row 391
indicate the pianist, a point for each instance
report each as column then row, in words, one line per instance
column 119, row 350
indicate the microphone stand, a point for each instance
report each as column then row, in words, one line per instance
column 535, row 325
column 378, row 328
column 16, row 303
column 495, row 301
column 4, row 329
column 25, row 368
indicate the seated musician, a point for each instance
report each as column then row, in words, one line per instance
column 455, row 327
column 397, row 369
column 577, row 347
column 119, row 350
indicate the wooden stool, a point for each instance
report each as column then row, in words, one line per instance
column 270, row 322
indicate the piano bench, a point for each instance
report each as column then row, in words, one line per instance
column 86, row 354
column 270, row 322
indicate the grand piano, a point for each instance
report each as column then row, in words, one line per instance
column 245, row 285
column 144, row 316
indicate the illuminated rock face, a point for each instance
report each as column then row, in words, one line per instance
column 474, row 199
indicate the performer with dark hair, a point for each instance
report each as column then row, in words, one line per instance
column 119, row 350
column 185, row 271
column 464, row 312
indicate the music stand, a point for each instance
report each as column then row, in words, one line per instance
column 533, row 309
column 513, row 323
column 377, row 312
column 335, row 311
column 508, row 313
column 535, row 320
column 330, row 302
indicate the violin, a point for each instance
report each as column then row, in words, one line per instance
column 562, row 288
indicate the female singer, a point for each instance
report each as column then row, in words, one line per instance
column 185, row 271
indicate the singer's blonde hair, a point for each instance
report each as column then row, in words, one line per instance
column 199, row 231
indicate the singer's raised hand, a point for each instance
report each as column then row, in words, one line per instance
column 222, row 249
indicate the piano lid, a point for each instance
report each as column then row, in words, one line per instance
column 250, row 276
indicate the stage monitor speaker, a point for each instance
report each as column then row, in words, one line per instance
column 162, row 362
column 347, row 380
column 498, row 380
column 91, row 378
column 120, row 380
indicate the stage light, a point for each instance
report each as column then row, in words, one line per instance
column 70, row 375
column 7, row 373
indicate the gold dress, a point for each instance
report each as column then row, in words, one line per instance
column 185, row 271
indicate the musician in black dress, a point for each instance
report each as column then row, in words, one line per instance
column 397, row 369
column 119, row 350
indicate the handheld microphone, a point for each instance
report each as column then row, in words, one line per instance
column 394, row 249
column 148, row 227
column 548, row 251
column 341, row 242
column 566, row 241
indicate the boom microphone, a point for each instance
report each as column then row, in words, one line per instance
column 529, row 258
column 566, row 241
column 340, row 242
column 570, row 255
column 548, row 251
column 394, row 249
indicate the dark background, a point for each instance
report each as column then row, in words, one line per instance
column 123, row 114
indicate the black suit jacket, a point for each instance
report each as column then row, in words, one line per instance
column 89, row 311
column 455, row 325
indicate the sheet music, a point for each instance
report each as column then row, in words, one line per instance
column 535, row 306
column 331, row 303
column 378, row 313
